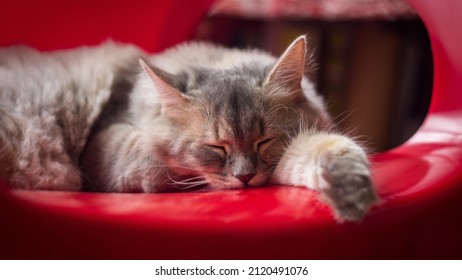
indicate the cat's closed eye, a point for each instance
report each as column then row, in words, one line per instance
column 259, row 146
column 221, row 150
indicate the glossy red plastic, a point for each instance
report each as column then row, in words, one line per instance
column 420, row 182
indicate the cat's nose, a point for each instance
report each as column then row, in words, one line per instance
column 245, row 178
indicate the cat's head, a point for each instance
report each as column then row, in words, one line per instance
column 233, row 124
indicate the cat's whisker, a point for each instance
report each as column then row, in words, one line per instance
column 342, row 117
column 188, row 181
column 301, row 124
column 273, row 109
column 151, row 167
column 207, row 188
column 278, row 107
column 191, row 185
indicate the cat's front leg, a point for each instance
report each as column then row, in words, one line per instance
column 334, row 165
column 121, row 159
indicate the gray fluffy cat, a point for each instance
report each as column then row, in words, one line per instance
column 114, row 119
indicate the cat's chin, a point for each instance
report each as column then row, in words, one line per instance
column 233, row 186
column 215, row 183
column 225, row 187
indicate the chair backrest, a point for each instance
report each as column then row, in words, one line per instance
column 55, row 24
column 441, row 19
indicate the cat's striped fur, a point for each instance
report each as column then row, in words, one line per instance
column 193, row 115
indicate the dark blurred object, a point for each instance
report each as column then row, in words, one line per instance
column 374, row 63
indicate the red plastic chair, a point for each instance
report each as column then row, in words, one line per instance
column 420, row 182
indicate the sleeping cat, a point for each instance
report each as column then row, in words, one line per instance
column 111, row 118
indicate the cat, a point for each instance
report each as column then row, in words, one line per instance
column 112, row 118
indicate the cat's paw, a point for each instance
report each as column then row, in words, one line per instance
column 349, row 189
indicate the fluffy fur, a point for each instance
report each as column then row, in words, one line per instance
column 197, row 115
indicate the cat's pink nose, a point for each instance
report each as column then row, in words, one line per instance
column 245, row 178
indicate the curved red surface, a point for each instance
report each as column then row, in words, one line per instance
column 420, row 182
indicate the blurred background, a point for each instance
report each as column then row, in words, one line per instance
column 373, row 58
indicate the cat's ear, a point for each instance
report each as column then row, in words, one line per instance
column 166, row 85
column 286, row 76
